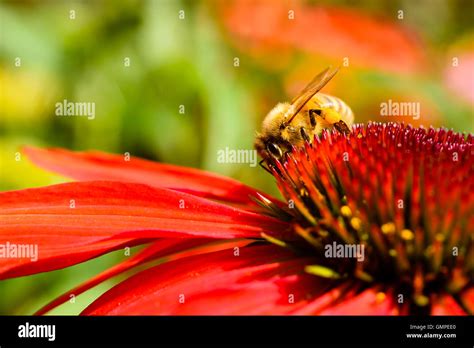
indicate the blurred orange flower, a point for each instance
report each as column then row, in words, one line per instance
column 335, row 32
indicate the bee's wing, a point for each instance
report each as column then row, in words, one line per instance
column 312, row 83
column 318, row 82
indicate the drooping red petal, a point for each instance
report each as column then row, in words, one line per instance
column 54, row 252
column 73, row 222
column 95, row 165
column 162, row 248
column 261, row 279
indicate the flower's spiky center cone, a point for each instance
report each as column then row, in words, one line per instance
column 403, row 195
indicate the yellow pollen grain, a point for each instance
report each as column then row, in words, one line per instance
column 356, row 223
column 407, row 235
column 346, row 211
column 392, row 252
column 440, row 237
column 323, row 233
column 380, row 296
column 388, row 228
column 421, row 300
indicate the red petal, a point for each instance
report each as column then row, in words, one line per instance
column 159, row 249
column 102, row 166
column 259, row 280
column 446, row 305
column 107, row 215
column 326, row 299
column 467, row 298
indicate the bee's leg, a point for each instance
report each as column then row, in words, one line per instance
column 342, row 127
column 304, row 135
column 264, row 167
column 312, row 117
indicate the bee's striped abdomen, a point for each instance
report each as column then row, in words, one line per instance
column 329, row 101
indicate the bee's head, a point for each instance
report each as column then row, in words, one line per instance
column 267, row 146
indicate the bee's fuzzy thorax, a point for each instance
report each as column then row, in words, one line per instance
column 276, row 115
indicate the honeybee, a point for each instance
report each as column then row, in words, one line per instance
column 307, row 115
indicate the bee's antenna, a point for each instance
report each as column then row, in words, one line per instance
column 286, row 123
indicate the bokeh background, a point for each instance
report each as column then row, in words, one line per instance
column 227, row 63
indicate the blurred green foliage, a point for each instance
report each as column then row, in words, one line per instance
column 178, row 62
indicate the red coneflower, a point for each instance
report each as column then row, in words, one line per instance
column 401, row 195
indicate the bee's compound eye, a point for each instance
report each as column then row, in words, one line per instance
column 274, row 150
